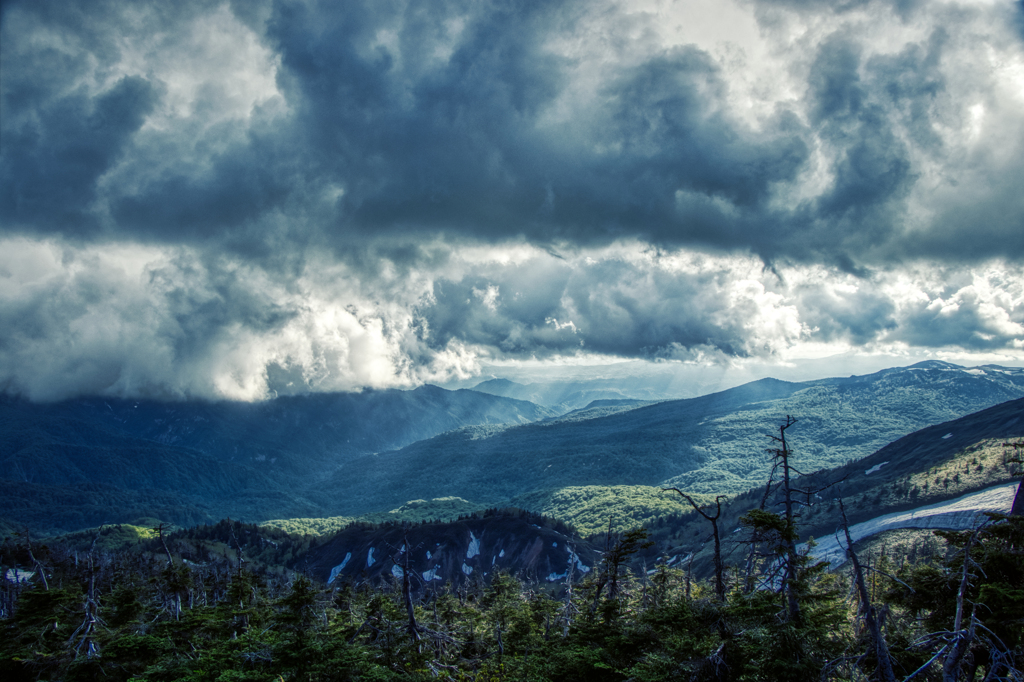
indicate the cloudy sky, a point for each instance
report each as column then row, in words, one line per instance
column 220, row 199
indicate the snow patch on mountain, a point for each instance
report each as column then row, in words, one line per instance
column 16, row 575
column 339, row 568
column 580, row 566
column 960, row 514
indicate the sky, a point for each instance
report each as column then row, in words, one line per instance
column 246, row 199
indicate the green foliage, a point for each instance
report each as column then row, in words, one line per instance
column 110, row 538
column 210, row 619
column 768, row 523
column 417, row 511
column 586, row 508
column 589, row 508
column 91, row 462
column 708, row 445
column 310, row 526
column 996, row 574
column 413, row 511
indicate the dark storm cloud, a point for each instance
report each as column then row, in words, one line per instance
column 79, row 322
column 464, row 147
column 458, row 117
column 860, row 317
column 417, row 142
column 189, row 204
column 51, row 163
column 508, row 307
column 62, row 129
column 963, row 321
column 653, row 312
column 870, row 163
column 668, row 117
column 624, row 307
column 447, row 146
column 292, row 188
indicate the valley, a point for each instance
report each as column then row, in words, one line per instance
column 80, row 463
column 517, row 530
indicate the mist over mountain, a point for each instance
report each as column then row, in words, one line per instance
column 567, row 395
column 83, row 462
column 294, row 434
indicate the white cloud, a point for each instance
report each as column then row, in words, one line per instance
column 130, row 320
column 346, row 196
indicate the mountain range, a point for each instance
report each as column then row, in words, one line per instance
column 711, row 444
column 565, row 396
column 82, row 462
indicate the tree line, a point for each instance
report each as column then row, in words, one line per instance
column 172, row 610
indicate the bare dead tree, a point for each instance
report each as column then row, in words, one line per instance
column 618, row 548
column 689, row 573
column 85, row 633
column 569, row 610
column 755, row 558
column 871, row 617
column 955, row 643
column 413, row 629
column 35, row 562
column 780, row 458
column 713, row 520
column 602, row 576
column 160, row 532
column 963, row 637
column 238, row 548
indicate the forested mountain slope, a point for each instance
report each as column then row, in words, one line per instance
column 712, row 444
column 935, row 464
column 83, row 462
column 534, row 548
column 98, row 460
column 292, row 433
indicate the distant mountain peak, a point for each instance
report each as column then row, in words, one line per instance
column 612, row 403
column 934, row 364
column 495, row 384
